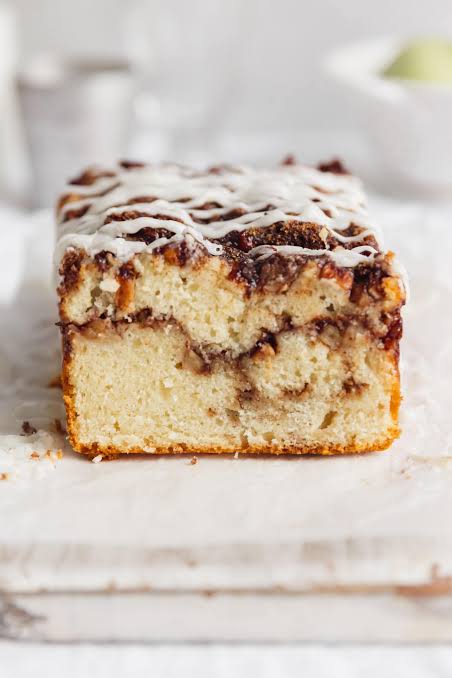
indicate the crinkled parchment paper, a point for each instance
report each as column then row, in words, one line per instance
column 166, row 501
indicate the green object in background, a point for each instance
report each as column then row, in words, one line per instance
column 427, row 60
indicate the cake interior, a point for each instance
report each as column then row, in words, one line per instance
column 190, row 361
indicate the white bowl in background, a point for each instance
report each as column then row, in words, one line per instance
column 409, row 123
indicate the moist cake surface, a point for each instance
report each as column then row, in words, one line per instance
column 227, row 310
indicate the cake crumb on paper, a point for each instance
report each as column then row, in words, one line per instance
column 51, row 454
column 27, row 458
column 193, row 461
column 28, row 429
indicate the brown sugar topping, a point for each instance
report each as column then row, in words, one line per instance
column 334, row 166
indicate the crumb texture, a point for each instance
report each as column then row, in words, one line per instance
column 144, row 391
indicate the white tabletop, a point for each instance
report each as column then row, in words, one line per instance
column 222, row 661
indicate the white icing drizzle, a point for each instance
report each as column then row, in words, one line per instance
column 295, row 192
column 342, row 257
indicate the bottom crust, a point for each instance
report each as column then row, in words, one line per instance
column 110, row 452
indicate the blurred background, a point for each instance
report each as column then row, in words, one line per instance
column 188, row 80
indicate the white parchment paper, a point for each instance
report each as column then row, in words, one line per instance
column 167, row 502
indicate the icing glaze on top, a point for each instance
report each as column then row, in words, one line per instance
column 207, row 206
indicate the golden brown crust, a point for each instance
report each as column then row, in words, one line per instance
column 273, row 450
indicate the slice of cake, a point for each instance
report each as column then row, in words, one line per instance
column 231, row 310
